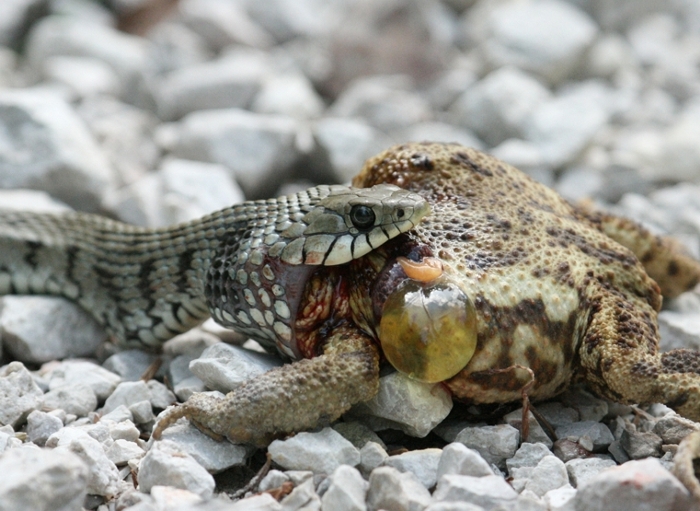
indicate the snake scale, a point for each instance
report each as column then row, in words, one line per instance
column 243, row 265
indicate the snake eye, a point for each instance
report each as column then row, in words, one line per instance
column 362, row 216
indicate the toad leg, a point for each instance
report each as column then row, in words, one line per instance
column 620, row 358
column 292, row 398
column 664, row 259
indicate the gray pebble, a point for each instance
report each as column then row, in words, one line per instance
column 527, row 455
column 372, row 455
column 489, row 492
column 166, row 464
column 127, row 393
column 37, row 329
column 423, row 463
column 494, row 443
column 40, row 426
column 321, row 452
column 72, row 168
column 459, row 459
column 19, row 395
column 75, row 398
column 639, row 444
column 414, row 407
column 347, row 491
column 60, row 476
column 673, row 428
column 101, row 381
column 618, row 488
column 212, row 455
column 591, row 435
column 225, row 367
column 582, row 469
column 257, row 148
column 391, row 489
column 549, row 474
column 130, row 365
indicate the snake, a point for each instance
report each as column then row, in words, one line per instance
column 245, row 265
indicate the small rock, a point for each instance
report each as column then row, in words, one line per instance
column 557, row 414
column 372, row 455
column 459, row 459
column 194, row 189
column 258, row 149
column 127, row 393
column 221, row 24
column 527, row 455
column 521, row 34
column 453, row 506
column 71, row 168
column 165, row 497
column 225, row 367
column 161, row 396
column 489, row 492
column 673, row 428
column 582, row 469
column 422, row 463
column 122, row 451
column 396, row 491
column 494, row 443
column 273, row 479
column 592, row 436
column 342, row 146
column 347, row 491
column 212, row 455
column 549, row 474
column 567, row 450
column 304, row 497
column 564, row 126
column 142, row 412
column 19, row 394
column 76, row 398
column 636, row 485
column 37, row 329
column 119, row 414
column 101, row 381
column 83, row 76
column 125, row 134
column 357, row 433
column 678, row 146
column 103, row 475
column 387, row 103
column 229, row 82
column 639, row 445
column 31, row 200
column 589, row 407
column 264, row 502
column 289, row 94
column 55, row 35
column 497, row 107
column 166, row 465
column 415, row 407
column 42, row 480
column 321, row 452
column 536, row 434
column 130, row 365
column 561, row 499
column 40, row 426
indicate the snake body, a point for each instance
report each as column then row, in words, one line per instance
column 243, row 265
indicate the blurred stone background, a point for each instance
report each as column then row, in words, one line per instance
column 158, row 111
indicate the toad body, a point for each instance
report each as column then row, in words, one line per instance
column 560, row 293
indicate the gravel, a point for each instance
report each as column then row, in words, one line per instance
column 216, row 102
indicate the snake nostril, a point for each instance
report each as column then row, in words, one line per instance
column 400, row 213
